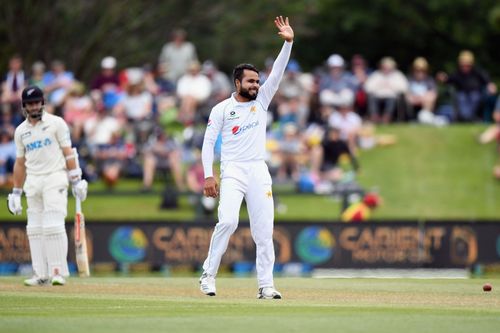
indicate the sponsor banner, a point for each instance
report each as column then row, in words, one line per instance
column 325, row 245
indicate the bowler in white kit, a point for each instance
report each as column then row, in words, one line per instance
column 45, row 164
column 241, row 121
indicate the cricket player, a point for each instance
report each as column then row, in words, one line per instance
column 241, row 120
column 45, row 163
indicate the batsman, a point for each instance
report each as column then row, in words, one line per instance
column 45, row 165
column 241, row 120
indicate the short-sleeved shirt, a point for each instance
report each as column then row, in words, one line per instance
column 41, row 144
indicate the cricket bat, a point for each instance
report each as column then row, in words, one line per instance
column 82, row 259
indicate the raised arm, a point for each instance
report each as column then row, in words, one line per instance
column 271, row 85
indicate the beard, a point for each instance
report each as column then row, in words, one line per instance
column 246, row 93
column 35, row 114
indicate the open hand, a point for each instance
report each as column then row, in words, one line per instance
column 285, row 30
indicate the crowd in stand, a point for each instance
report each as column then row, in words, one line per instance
column 146, row 120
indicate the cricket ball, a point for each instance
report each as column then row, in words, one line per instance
column 487, row 287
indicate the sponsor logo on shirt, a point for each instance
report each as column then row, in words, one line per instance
column 25, row 135
column 38, row 144
column 233, row 115
column 237, row 130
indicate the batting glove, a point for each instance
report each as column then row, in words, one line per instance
column 78, row 186
column 14, row 201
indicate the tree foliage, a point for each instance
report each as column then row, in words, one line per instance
column 81, row 32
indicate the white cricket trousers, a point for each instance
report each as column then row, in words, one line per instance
column 250, row 180
column 47, row 199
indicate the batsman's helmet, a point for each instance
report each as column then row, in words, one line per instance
column 32, row 94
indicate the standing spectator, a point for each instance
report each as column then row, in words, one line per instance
column 177, row 55
column 384, row 87
column 193, row 89
column 422, row 91
column 13, row 84
column 472, row 85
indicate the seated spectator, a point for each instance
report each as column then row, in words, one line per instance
column 135, row 108
column 56, row 83
column 37, row 74
column 107, row 82
column 422, row 90
column 360, row 72
column 332, row 84
column 193, row 89
column 293, row 96
column 111, row 159
column 290, row 152
column 13, row 84
column 326, row 158
column 7, row 158
column 77, row 108
column 384, row 87
column 220, row 86
column 162, row 153
column 346, row 120
column 471, row 84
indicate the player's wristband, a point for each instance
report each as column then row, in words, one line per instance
column 17, row 191
column 75, row 175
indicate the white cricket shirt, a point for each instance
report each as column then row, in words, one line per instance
column 41, row 144
column 243, row 125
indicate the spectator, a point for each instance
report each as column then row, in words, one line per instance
column 327, row 157
column 107, row 82
column 177, row 55
column 293, row 96
column 111, row 158
column 471, row 84
column 13, row 84
column 37, row 74
column 336, row 81
column 56, row 83
column 422, row 91
column 346, row 120
column 77, row 109
column 136, row 107
column 193, row 89
column 162, row 153
column 220, row 85
column 360, row 73
column 7, row 157
column 195, row 178
column 384, row 87
column 290, row 152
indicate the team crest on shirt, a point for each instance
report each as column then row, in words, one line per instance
column 233, row 115
column 253, row 109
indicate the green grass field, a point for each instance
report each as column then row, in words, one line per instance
column 430, row 173
column 138, row 304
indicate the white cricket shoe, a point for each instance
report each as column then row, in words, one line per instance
column 207, row 284
column 35, row 281
column 268, row 293
column 58, row 280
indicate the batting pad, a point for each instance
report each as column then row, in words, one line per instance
column 56, row 245
column 37, row 250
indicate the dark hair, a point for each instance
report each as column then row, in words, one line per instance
column 238, row 71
